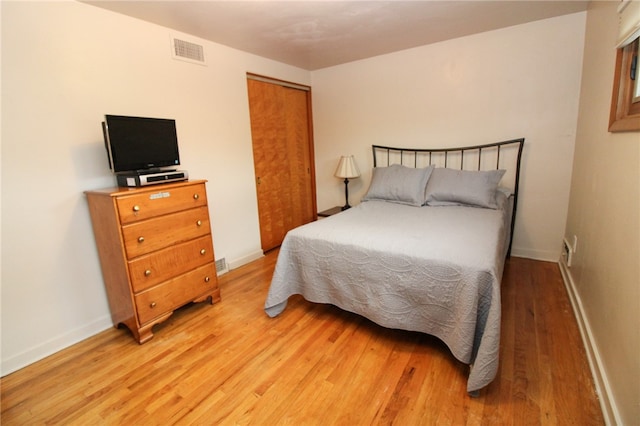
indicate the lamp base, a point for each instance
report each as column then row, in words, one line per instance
column 346, row 195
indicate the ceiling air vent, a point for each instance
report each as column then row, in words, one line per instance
column 187, row 51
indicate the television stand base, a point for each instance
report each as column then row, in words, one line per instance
column 136, row 179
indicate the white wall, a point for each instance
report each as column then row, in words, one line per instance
column 522, row 81
column 604, row 213
column 65, row 65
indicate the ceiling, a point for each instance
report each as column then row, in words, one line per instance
column 318, row 34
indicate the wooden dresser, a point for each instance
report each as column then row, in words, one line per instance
column 156, row 251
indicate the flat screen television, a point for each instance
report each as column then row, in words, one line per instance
column 140, row 144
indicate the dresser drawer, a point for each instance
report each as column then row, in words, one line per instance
column 151, row 269
column 154, row 234
column 158, row 202
column 172, row 294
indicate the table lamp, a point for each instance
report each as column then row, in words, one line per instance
column 347, row 169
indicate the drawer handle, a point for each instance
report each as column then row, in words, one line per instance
column 141, row 239
column 203, row 252
column 199, row 223
column 152, row 305
column 207, row 279
column 136, row 208
column 196, row 196
column 147, row 272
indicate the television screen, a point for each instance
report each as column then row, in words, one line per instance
column 139, row 143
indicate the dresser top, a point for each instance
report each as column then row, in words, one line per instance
column 115, row 191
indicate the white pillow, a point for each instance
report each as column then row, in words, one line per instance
column 399, row 184
column 448, row 187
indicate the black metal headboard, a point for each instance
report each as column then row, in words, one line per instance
column 499, row 155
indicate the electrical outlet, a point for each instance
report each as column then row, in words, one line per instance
column 567, row 252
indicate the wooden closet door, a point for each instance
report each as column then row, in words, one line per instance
column 283, row 159
column 302, row 207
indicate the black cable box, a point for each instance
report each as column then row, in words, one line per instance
column 134, row 179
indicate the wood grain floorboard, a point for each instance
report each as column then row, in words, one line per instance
column 314, row 364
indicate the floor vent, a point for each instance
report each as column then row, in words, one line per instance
column 187, row 51
column 221, row 266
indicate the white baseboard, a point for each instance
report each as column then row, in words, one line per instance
column 603, row 389
column 44, row 349
column 544, row 255
column 238, row 262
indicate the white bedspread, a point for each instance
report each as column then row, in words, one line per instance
column 435, row 270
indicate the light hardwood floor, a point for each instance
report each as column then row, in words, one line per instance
column 314, row 364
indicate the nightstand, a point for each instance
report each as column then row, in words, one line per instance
column 330, row 212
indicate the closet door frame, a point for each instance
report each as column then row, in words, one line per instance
column 309, row 148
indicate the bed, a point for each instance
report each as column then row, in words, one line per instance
column 424, row 250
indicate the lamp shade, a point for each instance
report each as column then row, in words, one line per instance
column 347, row 168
